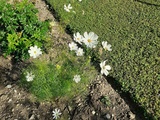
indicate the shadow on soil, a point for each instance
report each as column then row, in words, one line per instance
column 11, row 71
column 137, row 109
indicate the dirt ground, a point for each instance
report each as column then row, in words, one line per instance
column 101, row 103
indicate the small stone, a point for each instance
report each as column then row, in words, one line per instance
column 79, row 104
column 8, row 86
column 108, row 116
column 32, row 117
column 70, row 108
column 91, row 92
column 99, row 82
column 131, row 115
column 93, row 112
column 10, row 100
column 15, row 91
column 14, row 76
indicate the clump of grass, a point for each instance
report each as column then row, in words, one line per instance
column 52, row 80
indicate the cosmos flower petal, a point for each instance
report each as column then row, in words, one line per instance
column 104, row 68
column 108, row 67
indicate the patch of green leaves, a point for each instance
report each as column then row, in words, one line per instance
column 20, row 28
column 105, row 100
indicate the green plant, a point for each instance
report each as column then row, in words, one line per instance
column 55, row 79
column 105, row 100
column 20, row 28
column 133, row 29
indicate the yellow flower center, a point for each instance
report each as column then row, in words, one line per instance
column 89, row 40
column 58, row 67
column 78, row 39
column 103, row 67
column 35, row 52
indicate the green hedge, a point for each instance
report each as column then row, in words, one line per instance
column 133, row 30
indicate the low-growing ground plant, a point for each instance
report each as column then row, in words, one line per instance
column 20, row 29
column 133, row 29
column 64, row 77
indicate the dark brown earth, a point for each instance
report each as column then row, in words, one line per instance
column 101, row 102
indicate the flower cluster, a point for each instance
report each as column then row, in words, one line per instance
column 90, row 40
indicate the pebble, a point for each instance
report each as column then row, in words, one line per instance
column 93, row 112
column 10, row 100
column 8, row 86
column 91, row 92
column 15, row 91
column 131, row 116
column 79, row 104
column 32, row 117
column 108, row 116
column 70, row 108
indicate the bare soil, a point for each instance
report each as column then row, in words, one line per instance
column 101, row 102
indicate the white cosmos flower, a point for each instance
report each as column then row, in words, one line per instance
column 105, row 68
column 56, row 113
column 90, row 40
column 67, row 8
column 29, row 77
column 77, row 78
column 79, row 0
column 73, row 46
column 78, row 38
column 79, row 52
column 34, row 51
column 106, row 46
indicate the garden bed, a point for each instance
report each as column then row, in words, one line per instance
column 100, row 101
column 132, row 28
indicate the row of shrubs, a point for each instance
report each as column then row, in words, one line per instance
column 133, row 29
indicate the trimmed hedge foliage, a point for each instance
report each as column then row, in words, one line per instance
column 133, row 30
